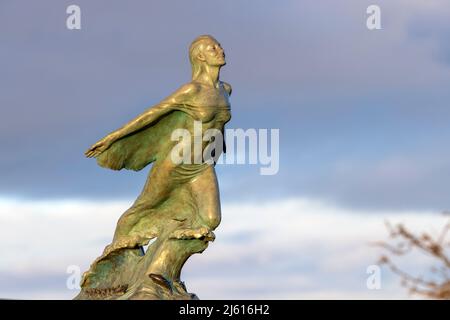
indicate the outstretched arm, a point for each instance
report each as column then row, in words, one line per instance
column 181, row 96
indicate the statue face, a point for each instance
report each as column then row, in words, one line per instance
column 212, row 53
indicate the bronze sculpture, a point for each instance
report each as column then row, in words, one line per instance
column 179, row 204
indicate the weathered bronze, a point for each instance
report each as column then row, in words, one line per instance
column 179, row 204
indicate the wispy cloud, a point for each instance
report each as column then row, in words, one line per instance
column 294, row 248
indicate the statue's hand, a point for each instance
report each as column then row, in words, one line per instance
column 97, row 148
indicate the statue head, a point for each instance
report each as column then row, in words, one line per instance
column 205, row 51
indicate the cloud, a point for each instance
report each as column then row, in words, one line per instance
column 286, row 249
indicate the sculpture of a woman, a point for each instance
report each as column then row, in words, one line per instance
column 179, row 204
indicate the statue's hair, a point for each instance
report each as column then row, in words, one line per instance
column 194, row 50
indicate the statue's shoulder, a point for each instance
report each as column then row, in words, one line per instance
column 227, row 87
column 189, row 88
column 183, row 95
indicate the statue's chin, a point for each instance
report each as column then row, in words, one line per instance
column 219, row 63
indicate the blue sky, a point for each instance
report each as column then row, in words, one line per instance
column 363, row 115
